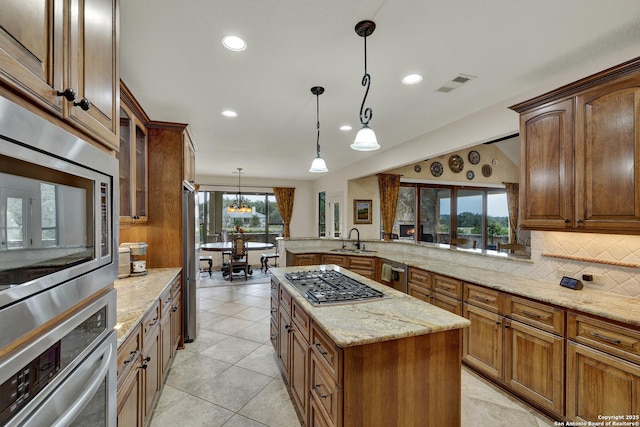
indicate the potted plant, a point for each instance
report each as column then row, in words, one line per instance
column 492, row 231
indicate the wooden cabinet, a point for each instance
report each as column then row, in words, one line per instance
column 339, row 260
column 335, row 386
column 145, row 357
column 305, row 259
column 167, row 143
column 580, row 155
column 518, row 343
column 603, row 372
column 133, row 160
column 49, row 47
column 362, row 265
column 419, row 284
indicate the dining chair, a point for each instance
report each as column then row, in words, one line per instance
column 264, row 259
column 239, row 259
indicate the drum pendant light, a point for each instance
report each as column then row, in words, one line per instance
column 318, row 165
column 366, row 138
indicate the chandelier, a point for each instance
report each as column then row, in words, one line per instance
column 365, row 138
column 238, row 206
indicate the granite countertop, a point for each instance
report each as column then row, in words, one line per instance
column 373, row 321
column 607, row 305
column 136, row 295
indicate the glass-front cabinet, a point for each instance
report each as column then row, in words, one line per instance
column 133, row 167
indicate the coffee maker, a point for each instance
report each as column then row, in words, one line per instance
column 128, row 259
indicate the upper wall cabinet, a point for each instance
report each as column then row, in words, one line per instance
column 580, row 155
column 133, row 159
column 62, row 56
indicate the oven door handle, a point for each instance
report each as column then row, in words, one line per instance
column 75, row 407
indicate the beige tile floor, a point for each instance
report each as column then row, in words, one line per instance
column 228, row 376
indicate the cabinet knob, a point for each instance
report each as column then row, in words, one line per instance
column 498, row 322
column 84, row 104
column 579, row 221
column 566, row 221
column 68, row 94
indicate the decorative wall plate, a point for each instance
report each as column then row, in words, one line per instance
column 417, row 168
column 436, row 169
column 456, row 164
column 474, row 157
column 487, row 171
column 470, row 175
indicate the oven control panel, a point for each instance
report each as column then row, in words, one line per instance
column 18, row 390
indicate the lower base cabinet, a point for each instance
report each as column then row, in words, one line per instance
column 413, row 381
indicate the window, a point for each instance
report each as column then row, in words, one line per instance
column 322, row 224
column 480, row 214
column 49, row 215
column 262, row 224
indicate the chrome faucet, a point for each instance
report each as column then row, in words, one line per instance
column 357, row 244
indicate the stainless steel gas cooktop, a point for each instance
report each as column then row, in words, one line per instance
column 331, row 287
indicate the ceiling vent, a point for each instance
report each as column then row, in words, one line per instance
column 454, row 83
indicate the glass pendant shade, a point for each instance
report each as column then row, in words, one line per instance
column 365, row 140
column 318, row 165
column 239, row 206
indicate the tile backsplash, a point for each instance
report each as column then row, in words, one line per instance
column 594, row 250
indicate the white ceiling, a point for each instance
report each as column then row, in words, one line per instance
column 173, row 61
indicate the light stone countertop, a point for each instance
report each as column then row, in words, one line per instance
column 137, row 294
column 373, row 321
column 607, row 305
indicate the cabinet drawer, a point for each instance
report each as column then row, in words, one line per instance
column 327, row 353
column 479, row 296
column 274, row 288
column 334, row 259
column 273, row 334
column 301, row 319
column 150, row 321
column 362, row 263
column 166, row 301
column 285, row 300
column 539, row 315
column 129, row 354
column 611, row 338
column 176, row 287
column 324, row 390
column 447, row 303
column 448, row 286
column 420, row 277
column 419, row 292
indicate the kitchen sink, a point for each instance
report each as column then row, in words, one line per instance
column 352, row 251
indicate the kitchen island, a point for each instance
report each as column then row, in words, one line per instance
column 390, row 361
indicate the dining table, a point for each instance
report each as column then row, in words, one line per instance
column 227, row 247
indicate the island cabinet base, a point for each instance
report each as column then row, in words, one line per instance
column 412, row 381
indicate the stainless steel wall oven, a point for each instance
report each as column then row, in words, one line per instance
column 58, row 232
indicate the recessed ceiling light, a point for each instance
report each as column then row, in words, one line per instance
column 345, row 128
column 234, row 43
column 229, row 113
column 412, row 79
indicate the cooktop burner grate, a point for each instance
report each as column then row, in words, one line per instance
column 331, row 287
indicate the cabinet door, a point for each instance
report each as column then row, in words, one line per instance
column 546, row 170
column 166, row 342
column 482, row 346
column 338, row 260
column 93, row 70
column 534, row 365
column 599, row 384
column 306, row 259
column 419, row 292
column 189, row 159
column 608, row 156
column 299, row 366
column 284, row 329
column 152, row 355
column 130, row 400
column 31, row 50
column 176, row 324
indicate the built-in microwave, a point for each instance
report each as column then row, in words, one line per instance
column 58, row 220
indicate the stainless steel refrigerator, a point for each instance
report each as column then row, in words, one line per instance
column 190, row 271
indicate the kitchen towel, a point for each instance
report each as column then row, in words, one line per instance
column 386, row 273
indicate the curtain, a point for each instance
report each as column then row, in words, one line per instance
column 513, row 203
column 388, row 186
column 284, row 200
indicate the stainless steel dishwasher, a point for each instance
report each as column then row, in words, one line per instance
column 393, row 274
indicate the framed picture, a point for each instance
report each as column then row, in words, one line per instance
column 362, row 212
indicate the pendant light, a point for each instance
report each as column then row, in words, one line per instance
column 318, row 165
column 239, row 206
column 365, row 138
